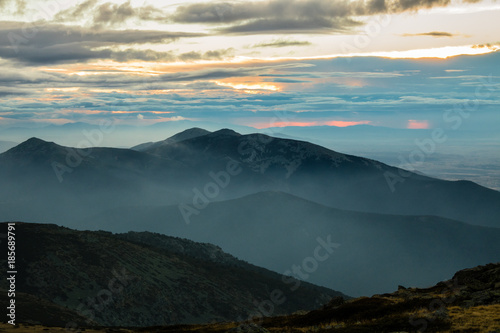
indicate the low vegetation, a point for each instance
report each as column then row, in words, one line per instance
column 469, row 302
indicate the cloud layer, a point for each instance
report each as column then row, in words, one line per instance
column 299, row 16
column 236, row 61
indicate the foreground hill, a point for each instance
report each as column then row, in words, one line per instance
column 468, row 303
column 97, row 278
column 60, row 182
column 373, row 252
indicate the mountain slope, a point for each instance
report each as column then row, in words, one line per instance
column 116, row 282
column 276, row 230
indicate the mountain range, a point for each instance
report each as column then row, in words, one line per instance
column 265, row 200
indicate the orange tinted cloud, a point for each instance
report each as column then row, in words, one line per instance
column 340, row 123
column 336, row 123
column 247, row 84
column 417, row 124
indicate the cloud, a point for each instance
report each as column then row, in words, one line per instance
column 292, row 25
column 76, row 12
column 295, row 123
column 109, row 14
column 19, row 4
column 278, row 16
column 417, row 124
column 491, row 46
column 437, row 34
column 299, row 16
column 59, row 43
column 55, row 34
column 209, row 55
column 150, row 55
column 282, row 42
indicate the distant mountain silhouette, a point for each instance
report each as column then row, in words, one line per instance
column 142, row 280
column 170, row 171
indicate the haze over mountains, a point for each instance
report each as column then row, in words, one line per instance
column 265, row 200
column 371, row 253
column 467, row 154
column 174, row 173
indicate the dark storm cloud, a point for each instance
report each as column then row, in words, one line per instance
column 285, row 26
column 432, row 34
column 265, row 16
column 53, row 34
column 299, row 16
column 59, row 43
column 4, row 92
column 76, row 52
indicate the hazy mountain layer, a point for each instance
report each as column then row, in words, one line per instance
column 275, row 230
column 60, row 183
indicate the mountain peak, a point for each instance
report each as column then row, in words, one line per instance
column 227, row 132
column 32, row 145
column 188, row 134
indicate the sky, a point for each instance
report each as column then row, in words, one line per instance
column 275, row 63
